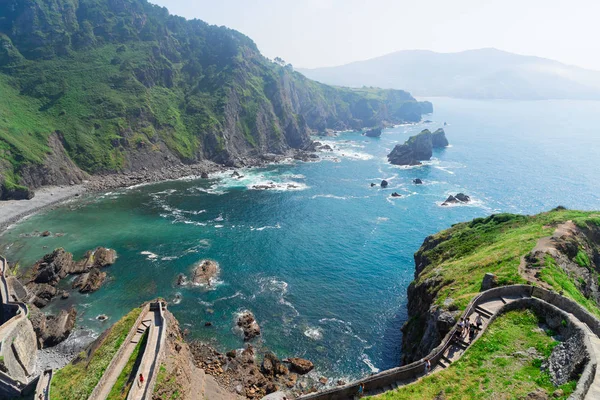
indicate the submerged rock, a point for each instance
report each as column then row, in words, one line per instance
column 248, row 325
column 205, row 272
column 396, row 194
column 417, row 181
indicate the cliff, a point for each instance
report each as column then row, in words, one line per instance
column 557, row 250
column 418, row 148
column 102, row 86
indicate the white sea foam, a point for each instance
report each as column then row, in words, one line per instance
column 219, row 226
column 314, row 333
column 149, row 255
column 262, row 228
column 364, row 358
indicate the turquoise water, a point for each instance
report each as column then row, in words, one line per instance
column 325, row 264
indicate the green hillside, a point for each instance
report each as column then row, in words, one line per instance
column 125, row 85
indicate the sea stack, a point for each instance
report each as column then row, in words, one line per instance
column 418, row 148
column 375, row 132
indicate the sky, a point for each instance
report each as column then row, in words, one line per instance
column 319, row 33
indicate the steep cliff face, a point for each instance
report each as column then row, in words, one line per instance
column 558, row 250
column 127, row 86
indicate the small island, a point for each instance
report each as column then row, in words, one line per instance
column 418, row 148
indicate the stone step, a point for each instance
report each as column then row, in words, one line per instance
column 502, row 300
column 484, row 312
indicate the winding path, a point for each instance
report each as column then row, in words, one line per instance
column 489, row 305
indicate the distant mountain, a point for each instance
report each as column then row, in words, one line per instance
column 480, row 74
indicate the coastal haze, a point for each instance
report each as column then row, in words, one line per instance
column 476, row 74
column 289, row 230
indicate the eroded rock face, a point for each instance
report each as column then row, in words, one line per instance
column 300, row 365
column 418, row 148
column 49, row 329
column 50, row 268
column 99, row 258
column 567, row 360
column 205, row 272
column 90, row 281
column 248, row 325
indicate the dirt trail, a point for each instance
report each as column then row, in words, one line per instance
column 545, row 245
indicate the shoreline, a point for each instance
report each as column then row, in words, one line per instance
column 46, row 197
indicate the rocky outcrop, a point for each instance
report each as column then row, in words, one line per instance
column 384, row 183
column 417, row 148
column 417, row 181
column 458, row 199
column 248, row 325
column 438, row 139
column 90, row 281
column 567, row 359
column 205, row 272
column 375, row 132
column 41, row 280
column 50, row 329
column 300, row 365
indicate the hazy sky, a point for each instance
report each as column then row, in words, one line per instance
column 315, row 33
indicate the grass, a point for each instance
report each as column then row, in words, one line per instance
column 494, row 244
column 128, row 376
column 166, row 383
column 77, row 380
column 490, row 368
column 553, row 275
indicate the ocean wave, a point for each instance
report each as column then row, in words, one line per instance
column 262, row 228
column 346, row 327
column 219, row 226
column 149, row 255
column 364, row 358
column 314, row 333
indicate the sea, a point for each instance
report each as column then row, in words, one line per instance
column 323, row 259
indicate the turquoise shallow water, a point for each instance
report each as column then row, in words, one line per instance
column 324, row 264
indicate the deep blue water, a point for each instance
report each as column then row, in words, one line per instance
column 323, row 265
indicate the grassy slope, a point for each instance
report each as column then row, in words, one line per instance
column 487, row 370
column 77, row 380
column 495, row 245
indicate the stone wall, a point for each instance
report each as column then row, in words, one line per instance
column 20, row 351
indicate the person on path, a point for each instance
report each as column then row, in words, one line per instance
column 467, row 325
column 461, row 326
column 479, row 321
column 471, row 333
column 361, row 390
column 141, row 380
column 427, row 366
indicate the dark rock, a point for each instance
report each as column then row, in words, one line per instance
column 438, row 139
column 102, row 317
column 45, row 234
column 489, row 281
column 90, row 281
column 375, row 132
column 323, row 380
column 384, row 183
column 450, row 200
column 205, row 272
column 181, row 280
column 204, row 175
column 59, row 328
column 539, row 394
column 300, row 365
column 248, row 325
column 417, row 181
column 462, row 197
column 396, row 194
column 232, row 354
column 208, row 324
column 373, row 184
column 52, row 266
column 64, row 295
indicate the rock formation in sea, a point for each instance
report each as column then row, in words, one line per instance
column 248, row 324
column 458, row 199
column 418, row 148
column 375, row 132
column 205, row 272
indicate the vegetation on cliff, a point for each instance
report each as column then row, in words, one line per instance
column 79, row 378
column 503, row 363
column 124, row 85
column 451, row 264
